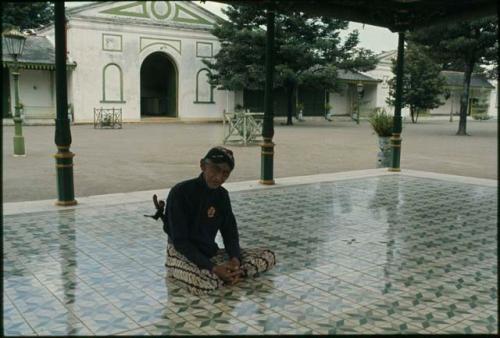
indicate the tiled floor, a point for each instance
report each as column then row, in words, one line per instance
column 391, row 254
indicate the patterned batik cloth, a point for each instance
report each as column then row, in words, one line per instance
column 201, row 281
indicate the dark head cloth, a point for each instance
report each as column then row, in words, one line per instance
column 221, row 155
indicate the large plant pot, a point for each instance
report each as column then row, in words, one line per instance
column 384, row 157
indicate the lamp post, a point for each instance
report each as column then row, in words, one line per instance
column 14, row 41
column 360, row 90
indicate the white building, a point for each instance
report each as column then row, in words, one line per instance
column 145, row 58
column 142, row 57
column 482, row 91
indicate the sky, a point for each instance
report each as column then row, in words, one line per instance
column 375, row 38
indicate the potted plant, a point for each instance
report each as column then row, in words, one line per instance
column 382, row 124
column 328, row 113
column 300, row 111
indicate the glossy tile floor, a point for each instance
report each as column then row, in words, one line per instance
column 391, row 254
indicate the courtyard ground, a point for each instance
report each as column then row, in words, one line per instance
column 155, row 156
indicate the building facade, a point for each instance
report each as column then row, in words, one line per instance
column 142, row 57
column 483, row 93
column 145, row 58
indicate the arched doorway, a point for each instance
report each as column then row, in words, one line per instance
column 158, row 86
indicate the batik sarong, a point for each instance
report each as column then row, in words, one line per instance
column 201, row 281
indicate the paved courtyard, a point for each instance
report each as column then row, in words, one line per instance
column 359, row 252
column 156, row 156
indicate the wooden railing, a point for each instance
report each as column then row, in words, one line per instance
column 242, row 127
column 108, row 118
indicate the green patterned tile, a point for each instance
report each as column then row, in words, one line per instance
column 136, row 332
column 479, row 325
column 224, row 297
column 14, row 323
column 334, row 305
column 332, row 285
column 303, row 313
column 273, row 323
column 392, row 327
column 62, row 329
column 306, row 293
column 357, row 321
column 252, row 286
column 230, row 330
column 180, row 305
column 147, row 312
column 278, row 300
column 308, row 274
column 358, row 295
column 332, row 270
column 284, row 282
column 218, row 322
column 392, row 307
column 243, row 308
column 104, row 320
column 173, row 326
column 431, row 320
column 379, row 255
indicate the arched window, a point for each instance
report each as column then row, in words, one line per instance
column 204, row 91
column 112, row 83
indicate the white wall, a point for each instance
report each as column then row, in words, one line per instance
column 384, row 73
column 369, row 98
column 35, row 93
column 85, row 48
column 339, row 102
column 493, row 111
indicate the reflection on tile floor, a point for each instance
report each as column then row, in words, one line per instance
column 390, row 254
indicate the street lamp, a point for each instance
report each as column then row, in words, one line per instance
column 360, row 90
column 14, row 41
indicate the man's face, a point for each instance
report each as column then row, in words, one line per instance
column 215, row 174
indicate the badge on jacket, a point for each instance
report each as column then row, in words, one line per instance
column 211, row 212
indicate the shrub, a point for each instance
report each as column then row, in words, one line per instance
column 483, row 116
column 381, row 122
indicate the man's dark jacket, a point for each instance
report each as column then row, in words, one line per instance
column 193, row 215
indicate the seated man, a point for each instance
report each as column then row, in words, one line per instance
column 195, row 210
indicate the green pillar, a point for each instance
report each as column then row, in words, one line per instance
column 396, row 132
column 64, row 157
column 19, row 149
column 267, row 146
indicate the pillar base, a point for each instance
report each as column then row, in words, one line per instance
column 19, row 149
column 66, row 203
column 267, row 159
column 64, row 171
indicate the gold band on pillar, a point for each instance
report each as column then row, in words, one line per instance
column 64, row 155
column 395, row 143
column 267, row 154
column 66, row 203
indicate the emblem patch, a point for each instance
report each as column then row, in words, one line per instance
column 211, row 212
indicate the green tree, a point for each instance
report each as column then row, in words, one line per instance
column 423, row 85
column 24, row 14
column 308, row 51
column 461, row 46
